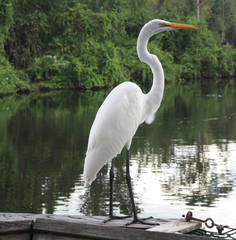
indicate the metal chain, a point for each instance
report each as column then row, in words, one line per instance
column 224, row 231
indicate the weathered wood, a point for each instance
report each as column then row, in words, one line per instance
column 125, row 222
column 45, row 236
column 14, row 223
column 90, row 231
column 180, row 226
column 19, row 236
column 5, row 216
column 51, row 227
column 15, row 226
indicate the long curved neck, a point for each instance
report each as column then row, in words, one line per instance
column 154, row 96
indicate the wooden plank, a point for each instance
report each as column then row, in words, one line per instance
column 50, row 227
column 23, row 236
column 11, row 217
column 7, row 217
column 11, row 223
column 96, row 220
column 15, row 226
column 46, row 236
column 89, row 231
column 126, row 222
column 180, row 226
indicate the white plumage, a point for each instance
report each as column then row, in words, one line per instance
column 114, row 127
column 126, row 107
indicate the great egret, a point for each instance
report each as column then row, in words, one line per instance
column 124, row 109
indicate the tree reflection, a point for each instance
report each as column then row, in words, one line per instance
column 44, row 139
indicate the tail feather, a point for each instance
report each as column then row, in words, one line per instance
column 93, row 163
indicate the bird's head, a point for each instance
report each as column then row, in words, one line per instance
column 155, row 26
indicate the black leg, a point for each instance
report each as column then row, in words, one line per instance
column 111, row 188
column 128, row 180
column 111, row 215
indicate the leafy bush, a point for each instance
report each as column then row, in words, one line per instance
column 89, row 44
column 98, row 66
column 197, row 53
column 10, row 79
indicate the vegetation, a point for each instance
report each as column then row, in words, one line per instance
column 88, row 44
column 44, row 140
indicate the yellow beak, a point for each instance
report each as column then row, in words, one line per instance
column 182, row 26
column 179, row 25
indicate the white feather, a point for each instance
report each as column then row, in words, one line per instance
column 114, row 126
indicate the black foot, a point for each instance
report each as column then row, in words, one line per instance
column 142, row 221
column 115, row 217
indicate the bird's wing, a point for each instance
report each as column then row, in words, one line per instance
column 114, row 126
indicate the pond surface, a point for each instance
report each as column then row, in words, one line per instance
column 185, row 160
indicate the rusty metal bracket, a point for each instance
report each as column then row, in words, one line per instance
column 209, row 223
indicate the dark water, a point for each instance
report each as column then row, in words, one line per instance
column 185, row 160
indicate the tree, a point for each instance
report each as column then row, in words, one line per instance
column 198, row 9
column 223, row 19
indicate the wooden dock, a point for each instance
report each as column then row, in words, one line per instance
column 24, row 226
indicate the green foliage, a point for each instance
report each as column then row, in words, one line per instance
column 103, row 68
column 10, row 79
column 85, row 48
column 209, row 63
column 90, row 44
column 6, row 19
column 28, row 33
column 197, row 53
column 223, row 19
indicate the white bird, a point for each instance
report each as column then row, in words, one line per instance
column 123, row 110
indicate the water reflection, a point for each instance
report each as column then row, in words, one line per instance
column 184, row 161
